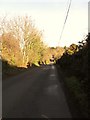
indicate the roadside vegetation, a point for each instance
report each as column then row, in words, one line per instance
column 22, row 46
column 74, row 65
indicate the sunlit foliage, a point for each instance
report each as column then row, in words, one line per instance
column 21, row 41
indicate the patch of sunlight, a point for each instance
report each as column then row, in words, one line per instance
column 37, row 64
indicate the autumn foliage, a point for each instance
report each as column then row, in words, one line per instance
column 22, row 43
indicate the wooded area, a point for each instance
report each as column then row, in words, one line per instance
column 22, row 44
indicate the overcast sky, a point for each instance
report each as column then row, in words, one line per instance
column 49, row 16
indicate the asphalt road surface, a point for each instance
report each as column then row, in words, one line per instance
column 36, row 93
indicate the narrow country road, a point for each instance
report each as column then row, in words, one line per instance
column 36, row 93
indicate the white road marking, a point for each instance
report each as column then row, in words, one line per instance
column 44, row 116
column 52, row 90
column 53, row 67
column 52, row 75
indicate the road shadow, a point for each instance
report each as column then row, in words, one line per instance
column 10, row 70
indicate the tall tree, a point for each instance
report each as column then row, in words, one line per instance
column 10, row 49
column 29, row 39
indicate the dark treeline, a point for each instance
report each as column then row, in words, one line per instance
column 74, row 64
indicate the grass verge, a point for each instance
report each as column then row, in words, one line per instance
column 81, row 97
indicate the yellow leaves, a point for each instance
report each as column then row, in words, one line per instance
column 73, row 48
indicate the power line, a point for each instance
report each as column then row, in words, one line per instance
column 65, row 20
